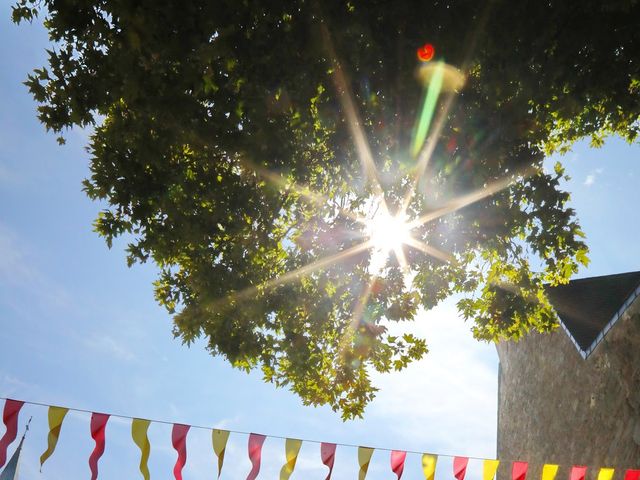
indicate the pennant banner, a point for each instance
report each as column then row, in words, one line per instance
column 255, row 454
column 56, row 417
column 606, row 474
column 364, row 458
column 460, row 467
column 219, row 439
column 632, row 475
column 489, row 469
column 429, row 466
column 328, row 455
column 98, row 427
column 10, row 419
column 179, row 441
column 549, row 472
column 139, row 428
column 578, row 472
column 291, row 450
column 519, row 470
column 397, row 462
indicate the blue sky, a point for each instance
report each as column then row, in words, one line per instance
column 79, row 328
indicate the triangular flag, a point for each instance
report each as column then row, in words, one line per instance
column 519, row 470
column 179, row 442
column 255, row 454
column 56, row 417
column 578, row 472
column 139, row 429
column 219, row 439
column 460, row 467
column 291, row 450
column 549, row 471
column 10, row 472
column 606, row 474
column 98, row 428
column 429, row 466
column 328, row 455
column 489, row 469
column 632, row 475
column 10, row 419
column 397, row 462
column 364, row 458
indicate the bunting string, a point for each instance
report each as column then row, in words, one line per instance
column 139, row 435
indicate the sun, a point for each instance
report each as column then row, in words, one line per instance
column 387, row 233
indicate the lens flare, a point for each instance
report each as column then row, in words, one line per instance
column 425, row 52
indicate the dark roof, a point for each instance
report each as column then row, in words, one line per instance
column 587, row 305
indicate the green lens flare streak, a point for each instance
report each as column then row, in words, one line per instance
column 428, row 107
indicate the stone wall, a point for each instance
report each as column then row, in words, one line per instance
column 556, row 407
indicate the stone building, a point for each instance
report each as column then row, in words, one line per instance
column 572, row 397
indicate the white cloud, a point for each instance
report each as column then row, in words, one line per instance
column 17, row 269
column 591, row 178
column 107, row 345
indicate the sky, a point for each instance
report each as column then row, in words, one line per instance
column 80, row 329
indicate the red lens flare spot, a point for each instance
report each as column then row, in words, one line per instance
column 426, row 52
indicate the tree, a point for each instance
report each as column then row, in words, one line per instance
column 239, row 146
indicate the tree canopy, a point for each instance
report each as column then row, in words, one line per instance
column 247, row 148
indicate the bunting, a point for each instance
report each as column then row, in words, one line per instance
column 460, row 467
column 519, row 470
column 489, row 469
column 291, row 450
column 98, row 427
column 578, row 472
column 364, row 458
column 56, row 417
column 429, row 466
column 549, row 472
column 606, row 474
column 255, row 454
column 397, row 462
column 328, row 456
column 179, row 441
column 139, row 429
column 219, row 439
column 10, row 419
column 632, row 475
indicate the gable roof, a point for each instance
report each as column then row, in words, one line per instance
column 588, row 307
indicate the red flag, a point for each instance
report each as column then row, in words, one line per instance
column 397, row 462
column 98, row 426
column 460, row 467
column 179, row 441
column 519, row 470
column 578, row 472
column 632, row 475
column 255, row 454
column 328, row 455
column 10, row 419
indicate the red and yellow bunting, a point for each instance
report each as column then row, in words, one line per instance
column 219, row 438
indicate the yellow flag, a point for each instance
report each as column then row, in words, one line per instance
column 549, row 472
column 364, row 457
column 291, row 448
column 489, row 469
column 605, row 474
column 56, row 416
column 219, row 438
column 429, row 465
column 139, row 428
